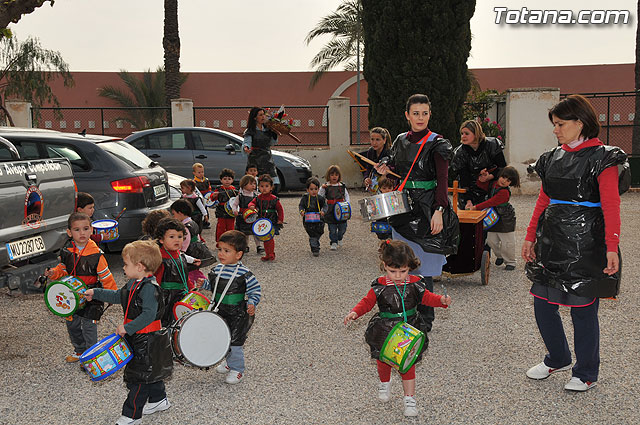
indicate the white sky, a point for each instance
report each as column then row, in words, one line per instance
column 251, row 35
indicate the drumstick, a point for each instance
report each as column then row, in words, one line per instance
column 444, row 289
column 123, row 210
column 368, row 161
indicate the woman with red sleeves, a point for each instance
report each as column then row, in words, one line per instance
column 571, row 246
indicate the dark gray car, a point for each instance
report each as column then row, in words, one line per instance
column 178, row 148
column 124, row 182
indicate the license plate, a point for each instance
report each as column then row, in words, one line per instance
column 159, row 191
column 25, row 247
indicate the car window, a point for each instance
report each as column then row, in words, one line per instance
column 203, row 140
column 126, row 153
column 140, row 143
column 28, row 150
column 78, row 163
column 168, row 140
column 5, row 153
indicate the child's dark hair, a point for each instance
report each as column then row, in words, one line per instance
column 397, row 254
column 167, row 224
column 189, row 183
column 152, row 219
column 250, row 165
column 265, row 178
column 512, row 174
column 333, row 169
column 83, row 199
column 227, row 172
column 236, row 239
column 77, row 216
column 313, row 180
column 385, row 182
column 182, row 206
column 245, row 180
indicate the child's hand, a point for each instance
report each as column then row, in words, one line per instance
column 200, row 281
column 251, row 309
column 280, row 223
column 446, row 300
column 302, row 213
column 472, row 208
column 349, row 317
column 48, row 272
column 324, row 185
column 197, row 262
column 120, row 330
column 88, row 294
column 468, row 205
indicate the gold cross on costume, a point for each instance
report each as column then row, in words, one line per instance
column 455, row 191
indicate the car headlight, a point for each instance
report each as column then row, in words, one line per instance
column 297, row 162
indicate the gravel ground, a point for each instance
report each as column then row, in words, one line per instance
column 304, row 366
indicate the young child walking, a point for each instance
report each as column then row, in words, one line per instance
column 204, row 186
column 381, row 226
column 501, row 238
column 86, row 204
column 150, row 223
column 83, row 259
column 142, row 304
column 237, row 307
column 240, row 205
column 223, row 193
column 334, row 191
column 312, row 209
column 398, row 295
column 268, row 206
column 191, row 193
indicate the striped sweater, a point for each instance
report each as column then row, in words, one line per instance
column 254, row 290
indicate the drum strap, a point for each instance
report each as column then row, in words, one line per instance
column 151, row 327
column 226, row 288
column 404, row 289
column 422, row 142
column 309, row 202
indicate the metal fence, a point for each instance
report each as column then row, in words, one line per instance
column 359, row 124
column 109, row 121
column 310, row 123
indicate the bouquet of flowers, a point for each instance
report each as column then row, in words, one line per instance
column 279, row 123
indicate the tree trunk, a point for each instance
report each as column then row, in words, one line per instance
column 171, row 44
column 635, row 143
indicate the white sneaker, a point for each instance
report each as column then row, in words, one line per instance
column 222, row 367
column 334, row 247
column 542, row 371
column 340, row 242
column 384, row 391
column 577, row 384
column 125, row 420
column 234, row 377
column 158, row 406
column 410, row 408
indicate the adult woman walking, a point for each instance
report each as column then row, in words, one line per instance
column 477, row 157
column 571, row 246
column 258, row 140
column 380, row 148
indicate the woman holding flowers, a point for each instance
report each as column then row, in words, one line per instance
column 258, row 140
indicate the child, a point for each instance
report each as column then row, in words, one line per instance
column 150, row 223
column 501, row 238
column 384, row 185
column 191, row 193
column 252, row 170
column 141, row 301
column 268, row 206
column 83, row 259
column 312, row 202
column 242, row 294
column 204, row 186
column 334, row 191
column 240, row 204
column 398, row 295
column 172, row 275
column 86, row 204
column 223, row 193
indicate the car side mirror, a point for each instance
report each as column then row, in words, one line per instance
column 231, row 150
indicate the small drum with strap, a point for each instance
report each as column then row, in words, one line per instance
column 191, row 302
column 402, row 347
column 106, row 357
column 64, row 297
column 342, row 211
column 250, row 215
column 384, row 205
column 209, row 201
column 107, row 228
column 263, row 229
column 227, row 207
column 201, row 339
column 490, row 219
column 312, row 217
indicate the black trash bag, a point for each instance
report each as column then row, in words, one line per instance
column 199, row 250
column 152, row 357
column 238, row 320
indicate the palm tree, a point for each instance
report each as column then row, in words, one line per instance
column 171, row 44
column 346, row 45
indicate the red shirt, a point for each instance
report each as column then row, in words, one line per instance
column 175, row 255
column 269, row 197
column 500, row 197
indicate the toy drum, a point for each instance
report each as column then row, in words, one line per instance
column 227, row 207
column 312, row 217
column 384, row 205
column 201, row 339
column 263, row 229
column 209, row 202
column 64, row 297
column 250, row 216
column 107, row 228
column 402, row 347
column 106, row 357
column 490, row 219
column 191, row 302
column 342, row 211
column 380, row 227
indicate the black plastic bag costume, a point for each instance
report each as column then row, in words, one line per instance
column 260, row 154
column 570, row 246
column 467, row 164
column 416, row 225
column 390, row 302
column 507, row 213
column 310, row 203
column 152, row 356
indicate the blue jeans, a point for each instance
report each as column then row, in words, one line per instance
column 83, row 333
column 337, row 231
column 235, row 358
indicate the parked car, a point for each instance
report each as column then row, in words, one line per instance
column 125, row 184
column 178, row 148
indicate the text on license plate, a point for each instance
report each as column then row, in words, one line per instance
column 159, row 190
column 25, row 247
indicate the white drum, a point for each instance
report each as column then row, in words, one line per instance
column 201, row 338
column 384, row 205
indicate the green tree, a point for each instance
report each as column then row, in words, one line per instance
column 26, row 69
column 417, row 47
column 171, row 45
column 12, row 10
column 144, row 98
column 346, row 45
